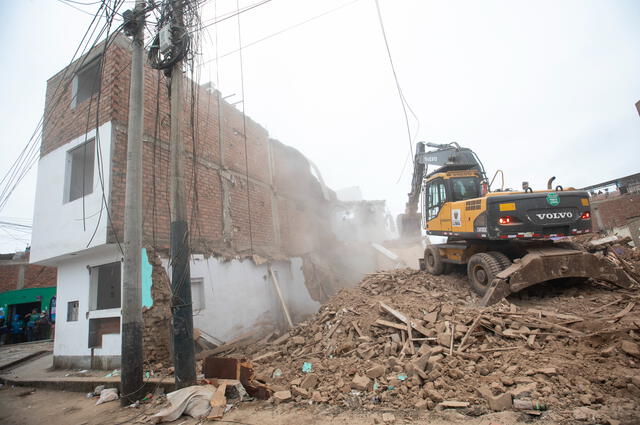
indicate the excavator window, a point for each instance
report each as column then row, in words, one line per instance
column 436, row 197
column 465, row 188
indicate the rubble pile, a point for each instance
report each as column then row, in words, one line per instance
column 408, row 339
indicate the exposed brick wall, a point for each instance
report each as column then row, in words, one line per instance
column 614, row 212
column 216, row 171
column 34, row 276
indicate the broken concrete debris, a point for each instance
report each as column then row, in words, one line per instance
column 407, row 339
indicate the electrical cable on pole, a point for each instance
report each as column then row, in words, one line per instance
column 182, row 311
column 131, row 380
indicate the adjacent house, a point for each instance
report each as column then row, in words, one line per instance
column 25, row 287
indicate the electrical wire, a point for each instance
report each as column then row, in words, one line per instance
column 282, row 31
column 236, row 13
column 244, row 124
column 29, row 155
column 403, row 101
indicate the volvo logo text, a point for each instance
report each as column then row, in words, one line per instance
column 555, row 215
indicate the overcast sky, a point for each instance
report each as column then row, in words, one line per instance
column 535, row 88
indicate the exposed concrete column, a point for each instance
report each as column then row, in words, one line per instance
column 21, row 272
column 226, row 181
column 275, row 215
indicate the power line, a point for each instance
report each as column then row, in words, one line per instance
column 403, row 101
column 29, row 154
column 236, row 13
column 244, row 126
column 282, row 31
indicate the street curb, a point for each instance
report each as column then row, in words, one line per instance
column 84, row 385
column 23, row 359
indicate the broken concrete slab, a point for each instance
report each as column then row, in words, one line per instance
column 360, row 383
column 281, row 396
column 631, row 348
column 497, row 403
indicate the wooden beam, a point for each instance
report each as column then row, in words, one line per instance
column 280, row 297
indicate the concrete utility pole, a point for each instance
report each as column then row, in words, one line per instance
column 183, row 345
column 131, row 380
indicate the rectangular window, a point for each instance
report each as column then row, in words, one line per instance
column 80, row 171
column 106, row 284
column 465, row 188
column 197, row 294
column 100, row 327
column 72, row 311
column 86, row 82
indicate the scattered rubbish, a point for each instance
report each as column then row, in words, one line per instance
column 276, row 373
column 192, row 401
column 307, row 367
column 107, row 395
column 519, row 404
column 402, row 376
column 115, row 372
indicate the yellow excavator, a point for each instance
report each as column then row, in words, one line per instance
column 508, row 240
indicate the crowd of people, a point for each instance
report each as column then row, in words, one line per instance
column 32, row 326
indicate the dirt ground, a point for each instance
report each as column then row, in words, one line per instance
column 23, row 406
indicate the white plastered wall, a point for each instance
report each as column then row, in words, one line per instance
column 72, row 337
column 58, row 226
column 240, row 297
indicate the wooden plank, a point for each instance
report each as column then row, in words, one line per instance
column 454, row 404
column 619, row 315
column 276, row 285
column 381, row 322
column 601, row 308
column 552, row 325
column 561, row 316
column 357, row 328
column 265, row 356
column 234, row 343
column 280, row 339
column 218, row 403
column 335, row 327
column 491, row 350
column 461, row 347
column 403, row 318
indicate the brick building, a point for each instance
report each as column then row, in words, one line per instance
column 249, row 197
column 25, row 286
column 615, row 205
column 16, row 273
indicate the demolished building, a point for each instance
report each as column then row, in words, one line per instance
column 616, row 206
column 254, row 205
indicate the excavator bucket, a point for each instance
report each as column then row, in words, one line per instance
column 549, row 263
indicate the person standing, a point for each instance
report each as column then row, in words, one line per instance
column 17, row 329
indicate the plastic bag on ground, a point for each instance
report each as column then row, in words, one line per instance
column 193, row 401
column 108, row 394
